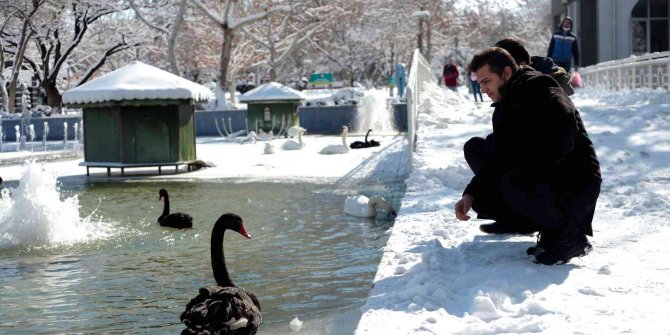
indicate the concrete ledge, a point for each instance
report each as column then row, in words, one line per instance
column 39, row 156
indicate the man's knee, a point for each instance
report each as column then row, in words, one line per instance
column 475, row 144
column 474, row 152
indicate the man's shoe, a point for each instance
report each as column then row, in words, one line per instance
column 570, row 243
column 545, row 240
column 504, row 228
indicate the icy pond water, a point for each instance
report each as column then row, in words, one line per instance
column 115, row 270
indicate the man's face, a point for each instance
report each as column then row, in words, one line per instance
column 491, row 82
column 567, row 24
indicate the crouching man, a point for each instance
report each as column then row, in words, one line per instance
column 538, row 170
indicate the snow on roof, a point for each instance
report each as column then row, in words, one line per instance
column 272, row 91
column 137, row 81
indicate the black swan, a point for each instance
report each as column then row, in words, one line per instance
column 372, row 142
column 366, row 144
column 174, row 220
column 224, row 308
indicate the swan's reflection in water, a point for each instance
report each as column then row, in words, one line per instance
column 306, row 259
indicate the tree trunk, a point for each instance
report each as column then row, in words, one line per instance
column 3, row 81
column 419, row 37
column 272, row 63
column 226, row 51
column 18, row 62
column 54, row 98
column 232, row 89
column 172, row 39
column 3, row 94
column 429, row 46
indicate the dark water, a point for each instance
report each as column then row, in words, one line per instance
column 306, row 259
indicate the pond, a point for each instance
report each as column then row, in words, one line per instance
column 90, row 257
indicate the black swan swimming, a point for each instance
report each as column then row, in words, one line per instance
column 174, row 220
column 224, row 308
column 372, row 142
column 366, row 144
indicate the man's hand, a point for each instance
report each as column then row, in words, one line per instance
column 463, row 207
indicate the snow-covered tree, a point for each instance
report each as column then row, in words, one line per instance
column 484, row 22
column 17, row 31
column 281, row 34
column 235, row 15
column 167, row 27
column 365, row 44
column 60, row 32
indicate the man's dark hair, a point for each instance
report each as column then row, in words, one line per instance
column 496, row 58
column 515, row 48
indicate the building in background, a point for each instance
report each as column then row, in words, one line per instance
column 615, row 29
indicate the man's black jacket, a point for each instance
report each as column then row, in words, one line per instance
column 538, row 134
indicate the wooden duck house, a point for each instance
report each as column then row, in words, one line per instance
column 138, row 116
column 269, row 104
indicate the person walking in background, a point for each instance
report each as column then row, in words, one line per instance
column 539, row 171
column 476, row 88
column 450, row 75
column 563, row 48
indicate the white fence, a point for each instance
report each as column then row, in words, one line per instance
column 419, row 74
column 646, row 71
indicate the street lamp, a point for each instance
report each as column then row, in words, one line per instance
column 421, row 15
column 565, row 5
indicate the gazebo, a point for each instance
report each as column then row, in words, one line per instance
column 138, row 116
column 269, row 103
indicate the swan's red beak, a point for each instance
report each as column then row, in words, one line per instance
column 160, row 197
column 244, row 232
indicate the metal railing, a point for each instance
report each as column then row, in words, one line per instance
column 646, row 71
column 419, row 74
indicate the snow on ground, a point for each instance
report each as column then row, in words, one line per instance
column 231, row 159
column 439, row 275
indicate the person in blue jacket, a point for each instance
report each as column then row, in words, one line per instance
column 563, row 48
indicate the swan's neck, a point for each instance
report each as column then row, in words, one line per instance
column 166, row 207
column 344, row 138
column 300, row 137
column 366, row 135
column 218, row 258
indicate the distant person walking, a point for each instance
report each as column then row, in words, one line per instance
column 476, row 88
column 450, row 75
column 563, row 48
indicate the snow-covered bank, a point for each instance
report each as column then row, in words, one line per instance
column 439, row 275
column 235, row 160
